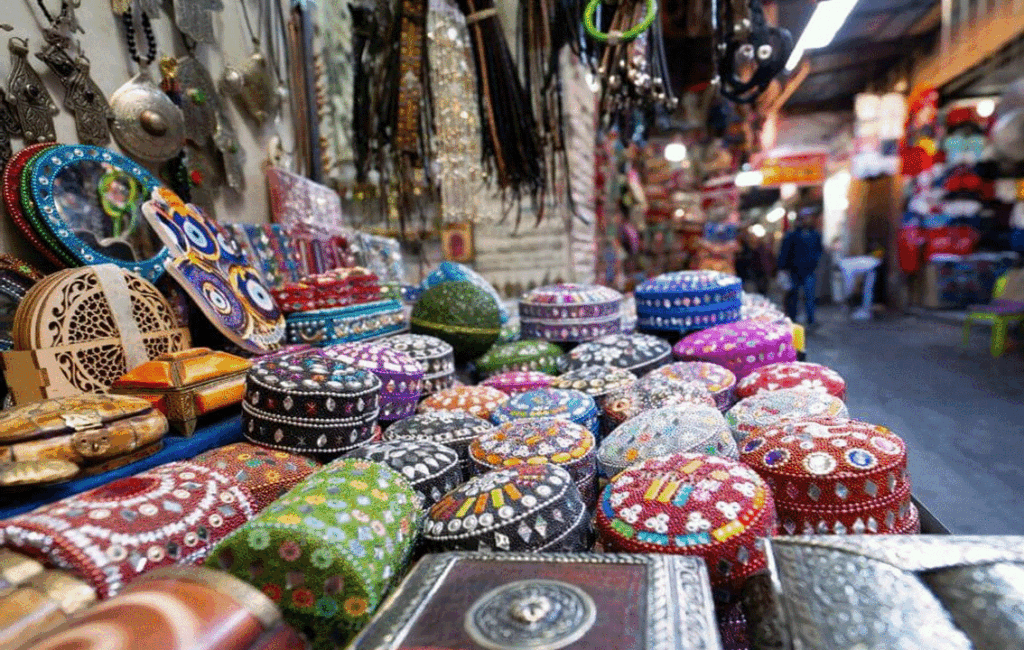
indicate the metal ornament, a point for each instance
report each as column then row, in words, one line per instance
column 147, row 124
column 9, row 127
column 226, row 141
column 199, row 99
column 548, row 614
column 32, row 103
column 195, row 18
column 81, row 94
column 253, row 86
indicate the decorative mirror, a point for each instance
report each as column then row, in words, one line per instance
column 90, row 198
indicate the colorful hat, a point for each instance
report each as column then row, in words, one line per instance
column 329, row 550
column 691, row 504
column 308, row 403
column 521, row 355
column 683, row 428
column 571, row 405
column 518, row 381
column 265, row 473
column 596, row 381
column 461, row 313
column 346, row 324
column 570, row 312
column 651, row 392
column 638, row 353
column 455, row 272
column 480, row 401
column 742, row 347
column 400, row 374
column 777, row 406
column 720, row 382
column 538, row 441
column 535, row 508
column 688, row 300
column 436, row 356
column 793, row 374
column 454, row 429
column 833, row 476
column 431, row 468
column 172, row 514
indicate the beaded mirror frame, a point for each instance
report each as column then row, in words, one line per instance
column 12, row 197
column 44, row 178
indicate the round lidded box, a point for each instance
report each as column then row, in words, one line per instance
column 521, row 355
column 480, row 401
column 400, row 374
column 651, row 392
column 455, row 272
column 569, row 312
column 596, row 381
column 535, row 508
column 742, row 347
column 265, row 473
column 436, row 357
column 454, row 429
column 537, row 441
column 833, row 476
column 638, row 353
column 309, row 403
column 431, row 468
column 691, row 504
column 683, row 428
column 688, row 300
column 720, row 382
column 571, row 405
column 774, row 407
column 518, row 381
column 793, row 374
column 460, row 313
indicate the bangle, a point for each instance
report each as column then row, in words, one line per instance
column 614, row 37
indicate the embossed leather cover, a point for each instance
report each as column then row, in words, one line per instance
column 477, row 601
column 889, row 591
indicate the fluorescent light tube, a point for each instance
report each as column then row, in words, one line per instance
column 826, row 21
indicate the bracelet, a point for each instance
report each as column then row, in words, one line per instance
column 614, row 37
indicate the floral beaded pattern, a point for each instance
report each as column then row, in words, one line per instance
column 265, row 473
column 777, row 406
column 431, row 468
column 638, row 353
column 480, row 401
column 796, row 374
column 573, row 405
column 694, row 505
column 689, row 428
column 742, row 347
column 537, row 355
column 328, row 551
column 596, row 381
column 652, row 392
column 720, row 382
column 400, row 374
column 513, row 382
column 687, row 300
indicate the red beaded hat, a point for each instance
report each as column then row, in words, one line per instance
column 793, row 374
column 691, row 504
column 833, row 475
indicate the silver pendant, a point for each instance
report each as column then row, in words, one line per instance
column 81, row 94
column 195, row 18
column 253, row 86
column 146, row 123
column 32, row 103
column 231, row 152
column 198, row 99
column 9, row 127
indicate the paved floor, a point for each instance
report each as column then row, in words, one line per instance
column 960, row 411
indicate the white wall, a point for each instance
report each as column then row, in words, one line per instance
column 105, row 47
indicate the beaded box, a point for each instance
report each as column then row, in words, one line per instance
column 455, row 272
column 431, row 468
column 518, row 381
column 454, row 429
column 401, row 375
column 480, row 401
column 361, row 322
column 596, row 381
column 688, row 300
column 742, row 347
column 542, row 356
column 774, row 407
column 570, row 312
column 649, row 393
column 308, row 403
column 265, row 474
column 793, row 374
column 436, row 356
column 572, row 405
column 720, row 382
column 638, row 353
column 461, row 313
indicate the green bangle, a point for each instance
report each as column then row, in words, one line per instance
column 618, row 37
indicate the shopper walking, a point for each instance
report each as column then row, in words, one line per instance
column 801, row 251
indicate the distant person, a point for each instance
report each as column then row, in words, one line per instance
column 762, row 265
column 801, row 251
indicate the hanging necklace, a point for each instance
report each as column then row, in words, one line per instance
column 252, row 83
column 147, row 124
column 82, row 96
column 32, row 103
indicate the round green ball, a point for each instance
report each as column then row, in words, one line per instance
column 461, row 313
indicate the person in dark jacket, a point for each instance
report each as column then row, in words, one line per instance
column 799, row 256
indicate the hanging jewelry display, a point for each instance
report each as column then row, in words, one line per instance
column 198, row 96
column 456, row 116
column 226, row 141
column 252, row 83
column 32, row 103
column 335, row 39
column 194, row 18
column 82, row 96
column 147, row 124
